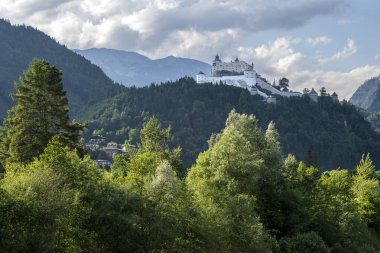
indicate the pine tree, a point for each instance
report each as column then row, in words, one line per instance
column 41, row 112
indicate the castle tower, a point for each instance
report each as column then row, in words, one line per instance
column 271, row 100
column 253, row 90
column 217, row 58
column 313, row 95
column 334, row 96
column 216, row 65
column 201, row 77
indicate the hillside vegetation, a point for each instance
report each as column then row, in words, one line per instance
column 328, row 133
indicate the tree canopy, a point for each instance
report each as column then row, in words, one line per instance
column 241, row 194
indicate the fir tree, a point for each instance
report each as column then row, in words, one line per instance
column 41, row 111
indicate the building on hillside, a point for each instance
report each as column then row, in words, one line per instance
column 112, row 148
column 92, row 146
column 129, row 149
column 232, row 68
column 241, row 74
column 271, row 100
column 103, row 152
column 103, row 163
column 95, row 141
column 313, row 95
column 253, row 90
column 334, row 96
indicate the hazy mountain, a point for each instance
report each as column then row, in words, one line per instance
column 131, row 68
column 367, row 96
column 84, row 82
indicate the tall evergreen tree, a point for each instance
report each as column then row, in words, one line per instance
column 41, row 111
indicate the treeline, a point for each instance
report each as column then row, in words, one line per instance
column 327, row 134
column 241, row 195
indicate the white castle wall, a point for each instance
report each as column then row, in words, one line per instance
column 249, row 80
column 237, row 66
column 243, row 81
column 254, row 91
column 266, row 86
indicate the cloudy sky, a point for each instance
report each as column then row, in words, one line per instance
column 331, row 43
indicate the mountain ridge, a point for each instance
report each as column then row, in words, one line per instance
column 367, row 96
column 84, row 82
column 134, row 69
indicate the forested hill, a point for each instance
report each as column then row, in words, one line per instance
column 329, row 134
column 84, row 82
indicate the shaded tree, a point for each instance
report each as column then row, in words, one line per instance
column 284, row 83
column 306, row 91
column 41, row 112
column 323, row 92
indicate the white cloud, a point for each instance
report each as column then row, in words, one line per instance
column 344, row 22
column 377, row 57
column 322, row 40
column 278, row 59
column 348, row 50
column 194, row 44
column 274, row 57
column 344, row 83
column 149, row 26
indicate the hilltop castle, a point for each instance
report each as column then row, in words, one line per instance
column 232, row 68
column 241, row 74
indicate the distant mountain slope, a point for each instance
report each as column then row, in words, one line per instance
column 329, row 133
column 131, row 68
column 84, row 82
column 367, row 96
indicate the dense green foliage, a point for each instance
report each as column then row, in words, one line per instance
column 41, row 112
column 240, row 196
column 327, row 133
column 84, row 82
column 374, row 119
